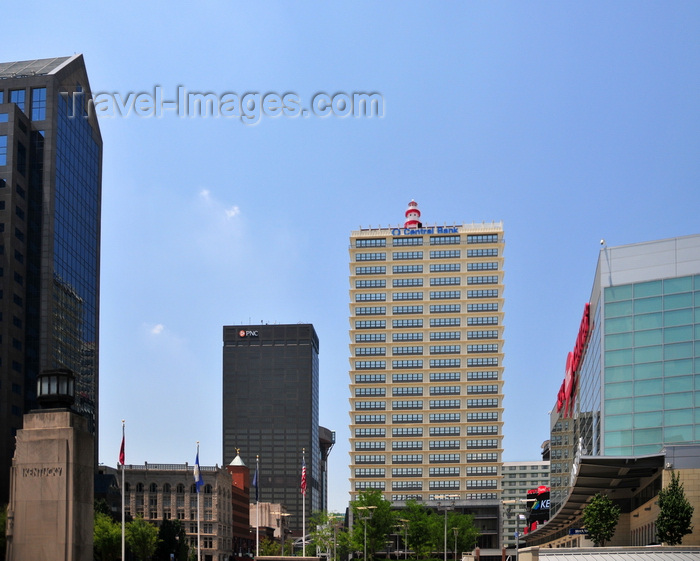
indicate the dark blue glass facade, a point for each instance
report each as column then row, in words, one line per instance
column 76, row 252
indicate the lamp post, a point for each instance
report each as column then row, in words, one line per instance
column 456, row 531
column 452, row 498
column 367, row 512
column 282, row 516
column 404, row 523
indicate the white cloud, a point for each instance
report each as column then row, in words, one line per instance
column 233, row 211
column 157, row 329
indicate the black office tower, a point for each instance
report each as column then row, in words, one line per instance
column 50, row 193
column 270, row 410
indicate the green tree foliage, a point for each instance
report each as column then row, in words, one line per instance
column 142, row 538
column 426, row 529
column 107, row 538
column 324, row 534
column 268, row 547
column 675, row 513
column 600, row 517
column 379, row 526
column 172, row 539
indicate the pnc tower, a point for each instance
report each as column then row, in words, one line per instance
column 50, row 200
column 426, row 366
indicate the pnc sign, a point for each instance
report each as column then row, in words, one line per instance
column 243, row 333
column 567, row 391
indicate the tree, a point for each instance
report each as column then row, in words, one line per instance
column 142, row 538
column 675, row 513
column 324, row 534
column 107, row 538
column 425, row 529
column 380, row 524
column 600, row 518
column 172, row 539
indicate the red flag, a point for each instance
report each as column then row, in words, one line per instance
column 121, row 452
column 303, row 477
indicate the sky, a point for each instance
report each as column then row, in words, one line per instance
column 571, row 122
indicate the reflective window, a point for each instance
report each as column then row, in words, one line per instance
column 38, row 104
column 18, row 96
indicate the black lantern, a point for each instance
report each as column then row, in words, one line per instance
column 56, row 388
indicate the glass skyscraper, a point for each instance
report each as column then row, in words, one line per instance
column 50, row 201
column 636, row 387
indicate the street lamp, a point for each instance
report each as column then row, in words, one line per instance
column 405, row 522
column 367, row 511
column 452, row 498
column 456, row 531
column 282, row 516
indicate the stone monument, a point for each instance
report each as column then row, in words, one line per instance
column 51, row 512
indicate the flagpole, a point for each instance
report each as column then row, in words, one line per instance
column 121, row 460
column 303, row 503
column 197, row 485
column 257, row 507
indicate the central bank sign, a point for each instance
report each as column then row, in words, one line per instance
column 421, row 231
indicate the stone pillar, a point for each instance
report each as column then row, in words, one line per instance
column 51, row 510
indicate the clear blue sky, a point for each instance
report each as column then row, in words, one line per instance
column 569, row 121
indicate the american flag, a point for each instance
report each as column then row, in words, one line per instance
column 303, row 477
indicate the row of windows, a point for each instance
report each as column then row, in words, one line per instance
column 434, row 417
column 396, row 241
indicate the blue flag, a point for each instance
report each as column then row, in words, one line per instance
column 198, row 481
column 255, row 484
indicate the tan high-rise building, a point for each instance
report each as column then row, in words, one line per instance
column 426, row 365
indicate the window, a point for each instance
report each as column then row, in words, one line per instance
column 407, row 458
column 407, row 323
column 400, row 255
column 361, row 392
column 371, row 297
column 370, row 324
column 372, row 431
column 397, row 283
column 482, row 238
column 371, row 283
column 370, row 310
column 490, row 320
column 414, row 404
column 407, row 309
column 381, row 270
column 407, row 472
column 482, row 334
column 414, row 350
column 407, row 241
column 376, row 256
column 407, row 445
column 445, row 362
column 38, row 104
column 444, row 335
column 491, row 307
column 492, row 293
column 417, row 377
column 369, row 337
column 370, row 351
column 444, row 240
column 492, row 252
column 444, row 281
column 411, row 390
column 483, row 375
column 442, row 431
column 407, row 418
column 445, row 404
column 370, row 419
column 483, row 266
column 445, row 254
column 444, row 376
column 370, row 364
column 407, row 296
column 445, row 308
column 490, row 279
column 407, row 431
column 417, row 363
column 407, row 337
column 372, row 242
column 486, row 348
column 400, row 269
column 444, row 417
column 370, row 378
column 18, row 97
column 445, row 267
column 444, row 390
column 3, row 150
